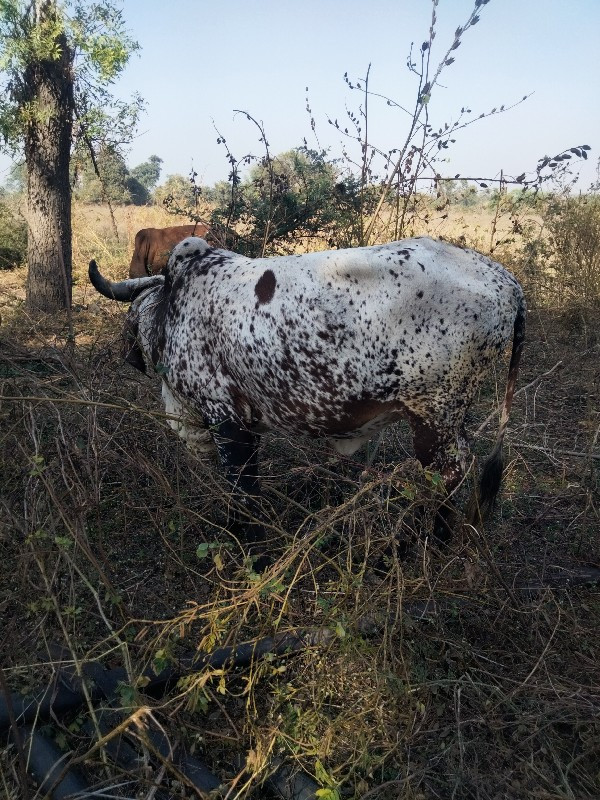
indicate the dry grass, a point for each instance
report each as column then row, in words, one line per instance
column 470, row 672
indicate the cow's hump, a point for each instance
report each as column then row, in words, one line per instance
column 183, row 254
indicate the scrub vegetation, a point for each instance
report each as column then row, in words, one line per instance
column 467, row 671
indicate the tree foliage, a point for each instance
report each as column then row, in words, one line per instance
column 57, row 63
column 177, row 192
column 297, row 195
column 108, row 179
column 143, row 179
column 16, row 182
column 98, row 47
column 108, row 183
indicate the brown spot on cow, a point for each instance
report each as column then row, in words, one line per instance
column 265, row 287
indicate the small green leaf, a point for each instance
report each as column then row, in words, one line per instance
column 61, row 740
column 127, row 695
column 436, row 479
column 38, row 466
column 328, row 794
column 160, row 661
column 114, row 598
column 328, row 783
column 202, row 550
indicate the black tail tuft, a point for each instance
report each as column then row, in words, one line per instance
column 489, row 485
column 482, row 500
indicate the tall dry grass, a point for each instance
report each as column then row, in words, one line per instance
column 469, row 671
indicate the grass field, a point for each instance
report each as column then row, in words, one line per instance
column 469, row 671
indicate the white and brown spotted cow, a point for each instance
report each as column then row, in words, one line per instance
column 335, row 344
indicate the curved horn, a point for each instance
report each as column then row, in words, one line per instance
column 124, row 291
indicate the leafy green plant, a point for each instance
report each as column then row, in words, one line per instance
column 292, row 198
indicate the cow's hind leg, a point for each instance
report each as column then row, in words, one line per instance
column 238, row 452
column 441, row 449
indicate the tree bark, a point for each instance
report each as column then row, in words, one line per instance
column 49, row 109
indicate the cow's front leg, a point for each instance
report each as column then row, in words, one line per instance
column 238, row 451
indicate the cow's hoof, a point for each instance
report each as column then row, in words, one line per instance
column 261, row 563
column 253, row 533
column 442, row 529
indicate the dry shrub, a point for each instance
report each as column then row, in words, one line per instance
column 573, row 228
column 13, row 235
column 560, row 264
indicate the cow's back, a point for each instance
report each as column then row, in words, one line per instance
column 299, row 341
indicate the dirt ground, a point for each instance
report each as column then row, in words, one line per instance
column 463, row 671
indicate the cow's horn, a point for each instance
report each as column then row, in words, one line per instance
column 125, row 291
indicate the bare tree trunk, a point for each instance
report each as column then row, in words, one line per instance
column 49, row 87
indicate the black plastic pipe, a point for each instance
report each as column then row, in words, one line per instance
column 197, row 773
column 46, row 762
column 53, row 699
column 58, row 698
column 290, row 783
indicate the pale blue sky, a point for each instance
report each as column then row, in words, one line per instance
column 200, row 60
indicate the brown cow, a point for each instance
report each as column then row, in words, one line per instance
column 153, row 245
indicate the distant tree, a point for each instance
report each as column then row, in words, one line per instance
column 57, row 61
column 105, row 181
column 138, row 194
column 468, row 196
column 17, row 178
column 178, row 191
column 219, row 194
column 147, row 174
column 527, row 197
column 13, row 236
column 456, row 192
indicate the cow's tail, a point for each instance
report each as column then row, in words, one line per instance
column 491, row 473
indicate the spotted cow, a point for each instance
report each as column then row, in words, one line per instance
column 153, row 245
column 335, row 344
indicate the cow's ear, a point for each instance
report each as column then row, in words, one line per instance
column 132, row 352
